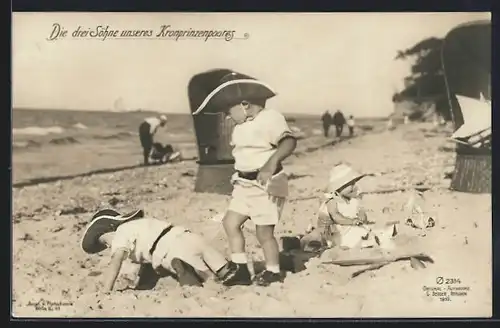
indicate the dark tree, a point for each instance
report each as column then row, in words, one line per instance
column 427, row 76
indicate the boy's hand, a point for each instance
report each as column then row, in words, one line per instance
column 267, row 171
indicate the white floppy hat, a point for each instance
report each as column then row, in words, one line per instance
column 104, row 221
column 341, row 175
column 163, row 118
column 234, row 88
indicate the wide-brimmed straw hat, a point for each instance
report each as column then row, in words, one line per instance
column 342, row 175
column 233, row 89
column 104, row 221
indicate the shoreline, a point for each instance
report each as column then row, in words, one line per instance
column 191, row 157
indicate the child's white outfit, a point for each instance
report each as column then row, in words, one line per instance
column 137, row 238
column 347, row 235
column 254, row 142
column 351, row 236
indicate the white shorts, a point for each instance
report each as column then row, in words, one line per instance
column 189, row 247
column 252, row 201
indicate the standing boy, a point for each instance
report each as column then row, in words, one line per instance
column 262, row 140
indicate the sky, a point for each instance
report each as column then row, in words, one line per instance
column 314, row 61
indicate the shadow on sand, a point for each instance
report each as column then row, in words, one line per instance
column 288, row 264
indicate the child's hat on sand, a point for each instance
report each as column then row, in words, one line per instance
column 341, row 175
column 233, row 88
column 104, row 221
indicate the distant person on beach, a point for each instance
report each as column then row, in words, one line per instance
column 163, row 153
column 350, row 124
column 261, row 139
column 158, row 243
column 326, row 119
column 147, row 130
column 339, row 121
column 390, row 123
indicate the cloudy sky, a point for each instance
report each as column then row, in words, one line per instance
column 314, row 61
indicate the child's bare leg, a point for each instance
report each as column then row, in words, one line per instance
column 265, row 236
column 237, row 270
column 232, row 223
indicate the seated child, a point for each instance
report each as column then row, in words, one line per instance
column 162, row 153
column 146, row 240
column 341, row 220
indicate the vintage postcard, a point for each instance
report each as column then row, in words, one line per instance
column 251, row 165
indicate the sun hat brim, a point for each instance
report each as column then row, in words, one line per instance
column 343, row 175
column 105, row 212
column 233, row 92
column 349, row 180
column 104, row 221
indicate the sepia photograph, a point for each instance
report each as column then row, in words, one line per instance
column 248, row 165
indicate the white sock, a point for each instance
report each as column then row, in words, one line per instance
column 240, row 258
column 273, row 268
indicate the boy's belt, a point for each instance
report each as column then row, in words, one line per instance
column 253, row 174
column 163, row 233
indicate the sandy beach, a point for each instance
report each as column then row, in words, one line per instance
column 51, row 270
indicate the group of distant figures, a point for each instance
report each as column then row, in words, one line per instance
column 338, row 120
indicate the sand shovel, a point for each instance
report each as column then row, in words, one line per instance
column 367, row 261
column 377, row 263
column 415, row 262
column 370, row 268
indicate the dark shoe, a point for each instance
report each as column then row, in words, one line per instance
column 238, row 274
column 266, row 278
column 186, row 275
column 226, row 271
